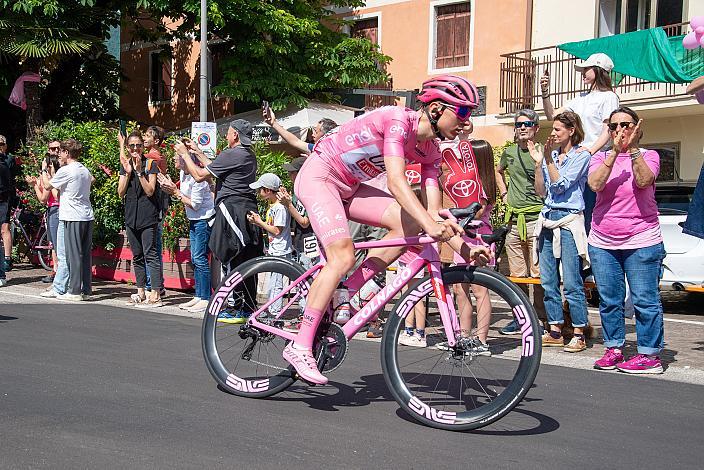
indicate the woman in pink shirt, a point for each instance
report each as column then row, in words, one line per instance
column 625, row 239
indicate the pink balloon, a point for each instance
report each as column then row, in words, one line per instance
column 696, row 22
column 690, row 41
column 701, row 40
column 699, row 31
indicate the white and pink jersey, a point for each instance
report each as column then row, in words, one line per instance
column 356, row 149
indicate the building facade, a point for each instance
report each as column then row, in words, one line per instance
column 160, row 83
column 503, row 46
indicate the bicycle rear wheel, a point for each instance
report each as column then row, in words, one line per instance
column 44, row 252
column 243, row 359
column 462, row 387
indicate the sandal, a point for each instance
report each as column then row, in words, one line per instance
column 151, row 303
column 135, row 299
column 375, row 329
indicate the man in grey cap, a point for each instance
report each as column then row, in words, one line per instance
column 233, row 240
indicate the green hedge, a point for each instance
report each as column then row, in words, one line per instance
column 102, row 158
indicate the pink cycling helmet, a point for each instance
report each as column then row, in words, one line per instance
column 449, row 89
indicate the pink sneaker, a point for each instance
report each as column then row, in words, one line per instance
column 304, row 362
column 611, row 357
column 641, row 364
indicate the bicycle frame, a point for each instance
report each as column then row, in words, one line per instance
column 33, row 245
column 429, row 257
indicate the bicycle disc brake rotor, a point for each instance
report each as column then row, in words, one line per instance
column 332, row 348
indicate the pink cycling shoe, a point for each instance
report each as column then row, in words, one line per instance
column 608, row 361
column 305, row 364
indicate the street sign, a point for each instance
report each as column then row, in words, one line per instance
column 205, row 135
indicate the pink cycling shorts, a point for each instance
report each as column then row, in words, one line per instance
column 331, row 202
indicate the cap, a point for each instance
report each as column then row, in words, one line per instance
column 244, row 129
column 267, row 180
column 295, row 164
column 2, row 139
column 596, row 60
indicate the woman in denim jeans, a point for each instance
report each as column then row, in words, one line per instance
column 198, row 201
column 560, row 177
column 626, row 239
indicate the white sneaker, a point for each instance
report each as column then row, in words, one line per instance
column 3, row 282
column 412, row 340
column 199, row 307
column 50, row 293
column 70, row 297
column 189, row 304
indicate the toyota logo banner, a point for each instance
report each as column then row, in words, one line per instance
column 460, row 180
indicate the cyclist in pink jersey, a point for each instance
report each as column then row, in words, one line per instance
column 331, row 186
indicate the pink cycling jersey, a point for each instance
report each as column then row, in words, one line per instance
column 356, row 149
column 331, row 182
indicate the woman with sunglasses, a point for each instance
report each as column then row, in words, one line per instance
column 625, row 240
column 331, row 186
column 138, row 186
column 560, row 177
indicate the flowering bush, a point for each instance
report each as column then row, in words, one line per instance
column 101, row 156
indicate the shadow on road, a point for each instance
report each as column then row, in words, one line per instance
column 372, row 389
column 519, row 422
column 4, row 319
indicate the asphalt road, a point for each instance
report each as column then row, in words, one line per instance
column 87, row 386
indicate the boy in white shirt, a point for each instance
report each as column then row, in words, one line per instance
column 277, row 226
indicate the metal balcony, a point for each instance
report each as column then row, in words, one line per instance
column 521, row 71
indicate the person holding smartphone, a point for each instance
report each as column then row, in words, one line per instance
column 322, row 127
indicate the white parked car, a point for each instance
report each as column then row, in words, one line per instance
column 684, row 263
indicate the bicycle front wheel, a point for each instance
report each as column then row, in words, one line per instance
column 466, row 386
column 243, row 359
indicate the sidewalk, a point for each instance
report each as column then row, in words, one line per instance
column 684, row 323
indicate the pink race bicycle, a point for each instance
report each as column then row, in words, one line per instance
column 450, row 384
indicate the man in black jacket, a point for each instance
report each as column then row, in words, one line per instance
column 233, row 240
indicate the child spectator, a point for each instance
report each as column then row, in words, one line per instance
column 277, row 226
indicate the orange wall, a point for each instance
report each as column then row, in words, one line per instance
column 183, row 107
column 500, row 27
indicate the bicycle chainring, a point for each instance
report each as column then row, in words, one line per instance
column 331, row 349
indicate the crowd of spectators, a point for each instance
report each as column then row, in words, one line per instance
column 583, row 198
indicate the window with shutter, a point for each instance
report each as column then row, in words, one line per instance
column 366, row 28
column 452, row 23
column 159, row 77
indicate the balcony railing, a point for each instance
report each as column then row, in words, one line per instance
column 521, row 72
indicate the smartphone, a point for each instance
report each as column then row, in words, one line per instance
column 123, row 127
column 266, row 109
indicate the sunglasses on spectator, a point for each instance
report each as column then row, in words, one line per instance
column 135, row 146
column 462, row 112
column 518, row 125
column 624, row 125
column 54, row 148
